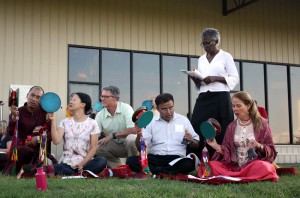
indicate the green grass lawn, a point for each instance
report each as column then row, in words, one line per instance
column 288, row 186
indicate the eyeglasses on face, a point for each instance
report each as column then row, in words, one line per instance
column 105, row 97
column 165, row 110
column 32, row 95
column 206, row 43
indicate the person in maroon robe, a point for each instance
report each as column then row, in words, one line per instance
column 262, row 111
column 31, row 119
column 249, row 132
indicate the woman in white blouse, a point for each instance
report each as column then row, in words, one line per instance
column 219, row 77
column 80, row 134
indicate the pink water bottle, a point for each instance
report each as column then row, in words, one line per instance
column 41, row 179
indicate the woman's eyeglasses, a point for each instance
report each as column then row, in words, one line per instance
column 206, row 43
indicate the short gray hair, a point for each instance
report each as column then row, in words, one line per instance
column 115, row 91
column 211, row 33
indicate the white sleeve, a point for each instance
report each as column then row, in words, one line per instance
column 233, row 77
column 62, row 124
column 191, row 130
column 96, row 129
column 147, row 134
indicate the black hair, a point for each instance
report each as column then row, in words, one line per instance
column 85, row 98
column 92, row 115
column 36, row 87
column 163, row 98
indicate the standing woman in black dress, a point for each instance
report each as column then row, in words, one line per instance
column 220, row 76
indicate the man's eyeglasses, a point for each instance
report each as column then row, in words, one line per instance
column 32, row 95
column 206, row 43
column 105, row 97
column 165, row 110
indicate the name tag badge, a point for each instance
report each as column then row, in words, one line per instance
column 179, row 128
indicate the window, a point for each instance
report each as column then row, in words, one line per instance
column 141, row 76
column 295, row 94
column 278, row 103
column 238, row 86
column 146, row 77
column 84, row 72
column 116, row 71
column 253, row 81
column 175, row 82
column 91, row 90
column 194, row 93
column 83, row 64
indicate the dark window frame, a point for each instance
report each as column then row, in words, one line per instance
column 190, row 87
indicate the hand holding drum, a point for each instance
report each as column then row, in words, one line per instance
column 50, row 102
column 210, row 128
column 142, row 117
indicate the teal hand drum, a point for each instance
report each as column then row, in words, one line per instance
column 145, row 119
column 210, row 128
column 50, row 102
column 98, row 106
column 148, row 104
column 142, row 117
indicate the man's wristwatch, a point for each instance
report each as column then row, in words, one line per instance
column 114, row 135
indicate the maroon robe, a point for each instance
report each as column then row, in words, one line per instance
column 26, row 124
column 260, row 168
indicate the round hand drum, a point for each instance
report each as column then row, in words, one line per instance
column 50, row 102
column 148, row 104
column 142, row 117
column 145, row 119
column 98, row 106
column 210, row 128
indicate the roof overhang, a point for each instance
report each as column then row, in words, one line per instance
column 234, row 5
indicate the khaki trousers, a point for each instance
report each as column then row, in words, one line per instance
column 113, row 151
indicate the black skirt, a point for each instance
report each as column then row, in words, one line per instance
column 215, row 105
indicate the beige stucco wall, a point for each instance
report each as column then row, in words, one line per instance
column 34, row 34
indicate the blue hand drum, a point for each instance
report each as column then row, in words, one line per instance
column 50, row 102
column 148, row 104
column 98, row 106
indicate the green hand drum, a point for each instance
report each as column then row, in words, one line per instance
column 142, row 117
column 209, row 129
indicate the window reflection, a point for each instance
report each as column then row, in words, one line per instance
column 115, row 66
column 116, row 71
column 194, row 92
column 253, row 79
column 83, row 64
column 278, row 103
column 295, row 73
column 91, row 90
column 146, row 79
column 238, row 86
column 175, row 82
